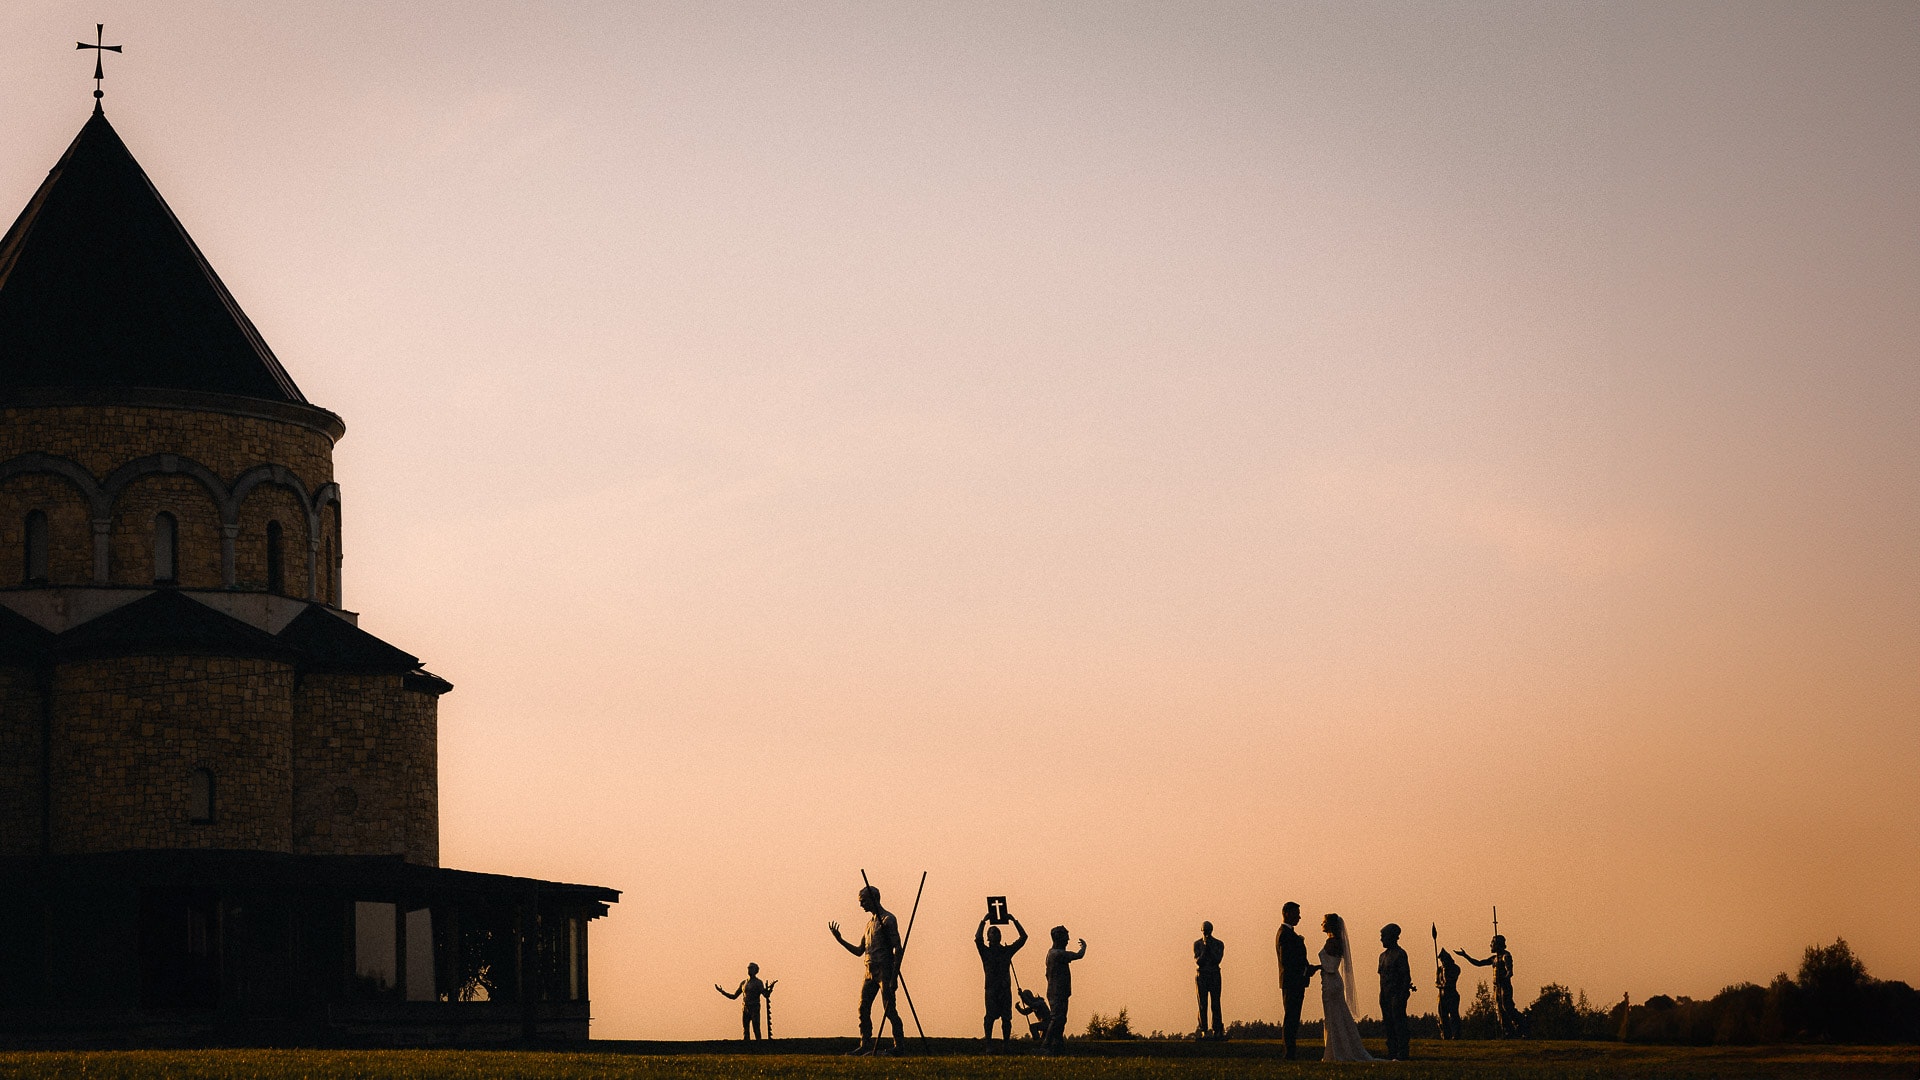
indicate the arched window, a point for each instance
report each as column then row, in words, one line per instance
column 36, row 566
column 166, row 549
column 276, row 562
column 200, row 796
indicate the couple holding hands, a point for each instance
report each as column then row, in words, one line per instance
column 1339, row 994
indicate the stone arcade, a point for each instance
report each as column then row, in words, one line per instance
column 218, row 804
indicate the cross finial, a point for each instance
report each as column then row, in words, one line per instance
column 99, row 49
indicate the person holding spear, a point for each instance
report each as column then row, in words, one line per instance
column 1446, row 979
column 1512, row 1024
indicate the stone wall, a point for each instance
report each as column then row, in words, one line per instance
column 20, row 700
column 213, row 471
column 365, row 768
column 269, row 503
column 69, row 529
column 130, row 731
column 197, row 554
column 104, row 437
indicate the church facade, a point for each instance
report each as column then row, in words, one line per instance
column 218, row 795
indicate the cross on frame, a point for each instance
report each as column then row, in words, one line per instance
column 99, row 50
column 997, row 909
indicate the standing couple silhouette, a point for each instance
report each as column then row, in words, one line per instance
column 1339, row 995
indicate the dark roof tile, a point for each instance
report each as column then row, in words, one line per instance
column 100, row 286
column 328, row 642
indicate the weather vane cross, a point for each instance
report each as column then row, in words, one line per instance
column 99, row 50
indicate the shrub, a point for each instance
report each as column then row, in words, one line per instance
column 1117, row 1026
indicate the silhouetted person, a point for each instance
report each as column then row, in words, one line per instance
column 881, row 948
column 750, row 993
column 1034, row 1008
column 1396, row 983
column 1512, row 1026
column 996, row 960
column 1295, row 972
column 1447, row 979
column 1206, row 980
column 1060, row 985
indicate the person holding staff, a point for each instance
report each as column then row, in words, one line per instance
column 750, row 994
column 880, row 948
column 1446, row 978
column 1512, row 1025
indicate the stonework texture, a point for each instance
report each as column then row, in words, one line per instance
column 313, row 762
column 268, row 503
column 69, row 530
column 128, row 732
column 197, row 555
column 19, row 761
column 104, row 437
column 365, row 768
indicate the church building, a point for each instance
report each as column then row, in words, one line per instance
column 219, row 814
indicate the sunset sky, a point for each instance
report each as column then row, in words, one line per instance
column 1153, row 461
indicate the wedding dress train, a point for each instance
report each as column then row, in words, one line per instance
column 1341, row 1034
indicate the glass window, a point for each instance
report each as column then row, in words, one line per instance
column 375, row 946
column 166, row 542
column 200, row 796
column 420, row 982
column 36, row 530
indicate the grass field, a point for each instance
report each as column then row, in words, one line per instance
column 960, row 1059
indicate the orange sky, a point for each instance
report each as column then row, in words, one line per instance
column 1152, row 461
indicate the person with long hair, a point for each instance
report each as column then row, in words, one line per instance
column 1339, row 997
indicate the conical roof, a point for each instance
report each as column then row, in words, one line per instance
column 101, row 287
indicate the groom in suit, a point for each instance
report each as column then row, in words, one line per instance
column 1295, row 972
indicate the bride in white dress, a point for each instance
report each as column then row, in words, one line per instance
column 1339, row 997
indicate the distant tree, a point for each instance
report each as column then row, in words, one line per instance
column 1117, row 1026
column 1892, row 1012
column 1780, row 1013
column 1831, row 983
column 1558, row 1014
column 1267, row 1029
column 1552, row 1015
column 1832, row 999
column 1482, row 1018
column 1739, row 1014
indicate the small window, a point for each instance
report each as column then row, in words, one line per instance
column 200, row 797
column 166, row 548
column 36, row 566
column 276, row 563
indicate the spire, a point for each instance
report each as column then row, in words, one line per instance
column 101, row 287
